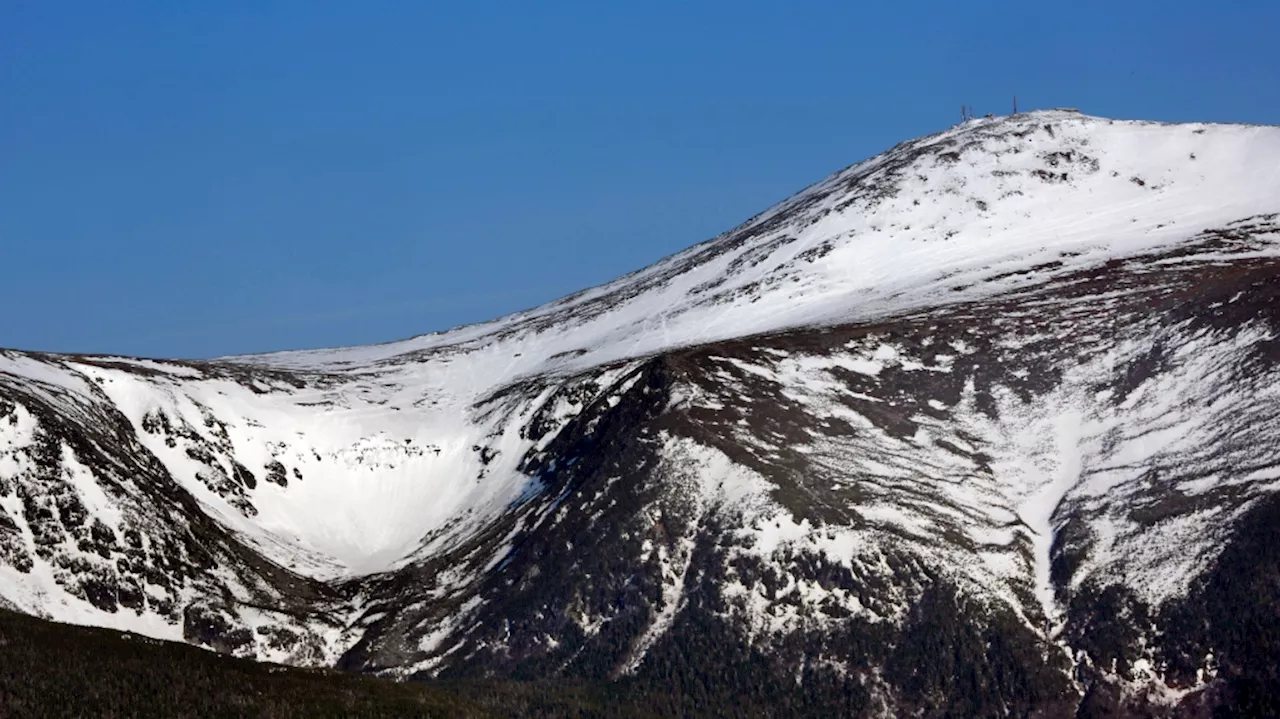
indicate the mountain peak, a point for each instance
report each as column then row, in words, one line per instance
column 952, row 216
column 1009, row 390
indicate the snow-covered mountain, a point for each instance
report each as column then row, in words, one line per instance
column 988, row 423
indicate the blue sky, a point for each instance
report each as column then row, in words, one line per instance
column 196, row 179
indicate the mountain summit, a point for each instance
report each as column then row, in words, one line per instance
column 986, row 424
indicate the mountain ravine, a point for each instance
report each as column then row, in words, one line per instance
column 986, row 425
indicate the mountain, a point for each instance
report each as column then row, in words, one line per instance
column 986, row 424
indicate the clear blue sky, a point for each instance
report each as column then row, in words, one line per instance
column 195, row 179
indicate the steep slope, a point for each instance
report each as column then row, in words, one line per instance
column 973, row 426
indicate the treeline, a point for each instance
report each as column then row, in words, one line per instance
column 56, row 670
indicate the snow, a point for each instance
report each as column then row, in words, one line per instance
column 895, row 255
column 375, row 481
column 674, row 570
column 385, row 436
column 927, row 245
column 1076, row 452
column 1042, row 465
column 38, row 591
column 91, row 494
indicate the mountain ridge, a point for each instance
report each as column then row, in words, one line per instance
column 1011, row 385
